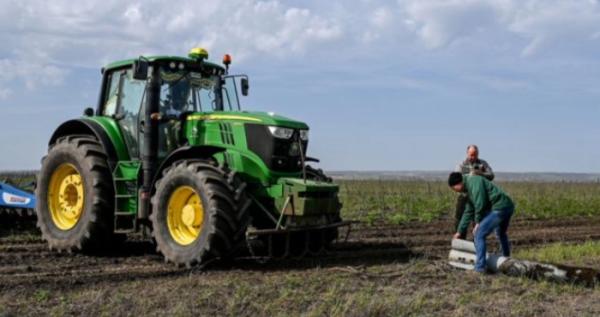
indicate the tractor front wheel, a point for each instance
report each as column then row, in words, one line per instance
column 199, row 213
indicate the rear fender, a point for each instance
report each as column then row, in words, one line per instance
column 92, row 128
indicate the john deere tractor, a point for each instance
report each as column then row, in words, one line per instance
column 168, row 152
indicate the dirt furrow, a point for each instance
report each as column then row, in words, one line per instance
column 26, row 262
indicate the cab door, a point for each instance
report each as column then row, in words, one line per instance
column 130, row 100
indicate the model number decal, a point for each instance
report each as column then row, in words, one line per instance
column 13, row 199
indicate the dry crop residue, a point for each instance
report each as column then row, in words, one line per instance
column 25, row 260
column 404, row 263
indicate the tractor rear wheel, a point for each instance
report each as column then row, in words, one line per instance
column 199, row 213
column 75, row 195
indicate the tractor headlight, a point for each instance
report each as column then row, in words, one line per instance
column 304, row 135
column 281, row 133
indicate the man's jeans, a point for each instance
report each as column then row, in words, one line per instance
column 496, row 219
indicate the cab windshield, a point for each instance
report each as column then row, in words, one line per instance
column 190, row 91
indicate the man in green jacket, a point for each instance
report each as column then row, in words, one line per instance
column 491, row 209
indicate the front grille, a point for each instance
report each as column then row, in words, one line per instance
column 278, row 154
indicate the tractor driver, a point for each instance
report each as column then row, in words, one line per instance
column 174, row 102
column 472, row 165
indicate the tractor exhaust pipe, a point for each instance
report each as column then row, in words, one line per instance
column 150, row 149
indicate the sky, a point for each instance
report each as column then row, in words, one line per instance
column 383, row 85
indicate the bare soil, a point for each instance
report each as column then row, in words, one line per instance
column 379, row 270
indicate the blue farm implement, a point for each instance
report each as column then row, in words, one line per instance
column 14, row 200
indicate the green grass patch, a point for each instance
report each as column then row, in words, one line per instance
column 587, row 253
column 400, row 201
column 22, row 179
column 42, row 295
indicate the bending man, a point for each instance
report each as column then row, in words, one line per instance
column 472, row 165
column 491, row 209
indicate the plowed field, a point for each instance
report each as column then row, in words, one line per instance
column 381, row 269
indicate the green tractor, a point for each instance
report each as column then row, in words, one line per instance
column 168, row 152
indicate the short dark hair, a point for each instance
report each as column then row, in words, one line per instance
column 475, row 147
column 455, row 178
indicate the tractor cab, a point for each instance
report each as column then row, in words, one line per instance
column 182, row 86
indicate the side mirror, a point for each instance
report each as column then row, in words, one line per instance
column 140, row 70
column 245, row 86
column 88, row 112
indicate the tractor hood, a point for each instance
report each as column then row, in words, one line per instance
column 263, row 118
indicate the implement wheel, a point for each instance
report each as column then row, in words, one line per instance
column 75, row 195
column 199, row 213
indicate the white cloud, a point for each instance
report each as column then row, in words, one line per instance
column 86, row 32
column 133, row 14
column 52, row 36
column 556, row 25
column 48, row 38
column 438, row 23
column 31, row 74
column 60, row 30
column 379, row 23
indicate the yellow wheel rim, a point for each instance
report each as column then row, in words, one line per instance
column 66, row 195
column 185, row 215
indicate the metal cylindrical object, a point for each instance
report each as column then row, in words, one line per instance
column 463, row 256
column 463, row 251
column 463, row 266
column 463, row 245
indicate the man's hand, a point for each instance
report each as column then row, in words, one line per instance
column 456, row 236
column 477, row 172
column 475, row 229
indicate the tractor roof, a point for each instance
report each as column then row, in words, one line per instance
column 151, row 59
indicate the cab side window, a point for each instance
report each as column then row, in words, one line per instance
column 131, row 98
column 132, row 95
column 112, row 94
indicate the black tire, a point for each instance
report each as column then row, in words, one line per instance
column 94, row 227
column 225, row 212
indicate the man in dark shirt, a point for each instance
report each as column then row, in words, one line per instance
column 491, row 209
column 472, row 165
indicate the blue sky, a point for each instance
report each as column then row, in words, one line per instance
column 384, row 85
